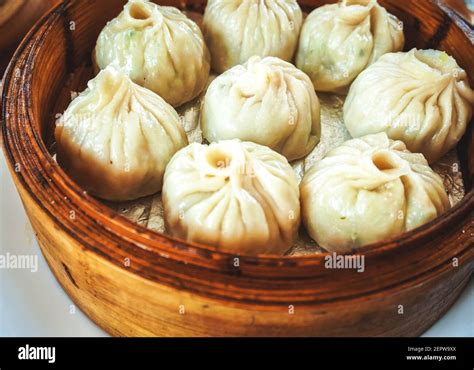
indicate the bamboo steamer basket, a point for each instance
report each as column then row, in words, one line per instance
column 135, row 282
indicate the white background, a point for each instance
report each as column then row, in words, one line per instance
column 34, row 304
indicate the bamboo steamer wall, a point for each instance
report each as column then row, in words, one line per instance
column 132, row 281
column 16, row 18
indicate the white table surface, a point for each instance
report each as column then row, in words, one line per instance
column 34, row 304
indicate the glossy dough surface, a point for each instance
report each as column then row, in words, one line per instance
column 159, row 48
column 116, row 138
column 367, row 190
column 421, row 97
column 338, row 41
column 267, row 101
column 236, row 195
column 236, row 30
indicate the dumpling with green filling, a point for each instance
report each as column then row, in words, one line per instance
column 338, row 41
column 159, row 48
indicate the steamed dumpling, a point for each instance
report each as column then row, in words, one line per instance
column 116, row 138
column 338, row 41
column 238, row 29
column 236, row 195
column 159, row 48
column 267, row 101
column 368, row 190
column 421, row 97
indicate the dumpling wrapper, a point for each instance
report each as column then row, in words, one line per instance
column 338, row 41
column 421, row 97
column 116, row 138
column 239, row 29
column 236, row 195
column 159, row 48
column 267, row 101
column 367, row 190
